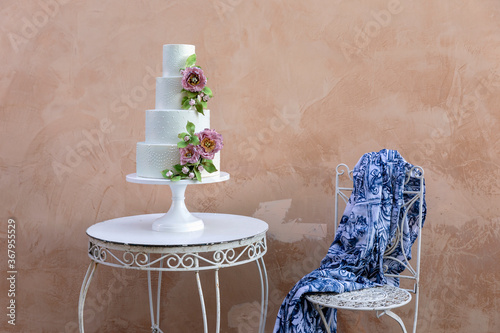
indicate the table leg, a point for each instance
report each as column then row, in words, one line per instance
column 202, row 301
column 155, row 324
column 83, row 292
column 217, row 297
column 264, row 295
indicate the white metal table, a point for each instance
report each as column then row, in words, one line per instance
column 225, row 241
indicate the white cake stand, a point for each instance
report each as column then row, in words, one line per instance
column 178, row 218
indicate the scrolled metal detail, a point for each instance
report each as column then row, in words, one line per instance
column 201, row 258
column 189, row 260
column 173, row 261
column 256, row 250
column 340, row 172
column 415, row 172
column 253, row 250
column 128, row 258
column 141, row 259
column 225, row 256
column 97, row 253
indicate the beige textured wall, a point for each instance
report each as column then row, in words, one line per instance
column 299, row 87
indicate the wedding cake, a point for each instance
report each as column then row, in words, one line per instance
column 179, row 143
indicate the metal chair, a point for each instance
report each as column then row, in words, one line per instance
column 385, row 298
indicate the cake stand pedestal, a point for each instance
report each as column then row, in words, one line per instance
column 178, row 218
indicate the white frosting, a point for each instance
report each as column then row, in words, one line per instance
column 169, row 92
column 174, row 57
column 153, row 158
column 164, row 126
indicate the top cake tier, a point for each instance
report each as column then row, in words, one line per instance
column 174, row 58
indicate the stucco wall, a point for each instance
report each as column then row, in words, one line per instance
column 299, row 86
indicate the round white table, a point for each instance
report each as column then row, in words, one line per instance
column 225, row 241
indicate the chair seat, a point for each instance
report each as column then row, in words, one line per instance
column 369, row 299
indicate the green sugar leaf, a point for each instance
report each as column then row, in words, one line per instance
column 190, row 94
column 199, row 108
column 198, row 174
column 209, row 166
column 185, row 104
column 190, row 128
column 164, row 174
column 191, row 60
column 194, row 140
column 207, row 91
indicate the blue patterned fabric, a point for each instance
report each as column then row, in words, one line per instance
column 355, row 258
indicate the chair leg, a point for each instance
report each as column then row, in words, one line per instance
column 393, row 316
column 323, row 319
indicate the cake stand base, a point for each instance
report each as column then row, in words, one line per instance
column 178, row 218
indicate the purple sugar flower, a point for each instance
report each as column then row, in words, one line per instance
column 193, row 79
column 189, row 154
column 191, row 175
column 192, row 102
column 185, row 170
column 210, row 143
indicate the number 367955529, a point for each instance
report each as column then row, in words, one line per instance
column 11, row 241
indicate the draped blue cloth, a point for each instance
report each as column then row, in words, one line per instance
column 355, row 258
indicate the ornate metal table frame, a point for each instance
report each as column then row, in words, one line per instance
column 188, row 258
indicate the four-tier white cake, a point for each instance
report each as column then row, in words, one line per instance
column 164, row 123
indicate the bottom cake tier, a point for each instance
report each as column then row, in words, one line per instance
column 153, row 158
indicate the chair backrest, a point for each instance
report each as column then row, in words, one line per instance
column 413, row 195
